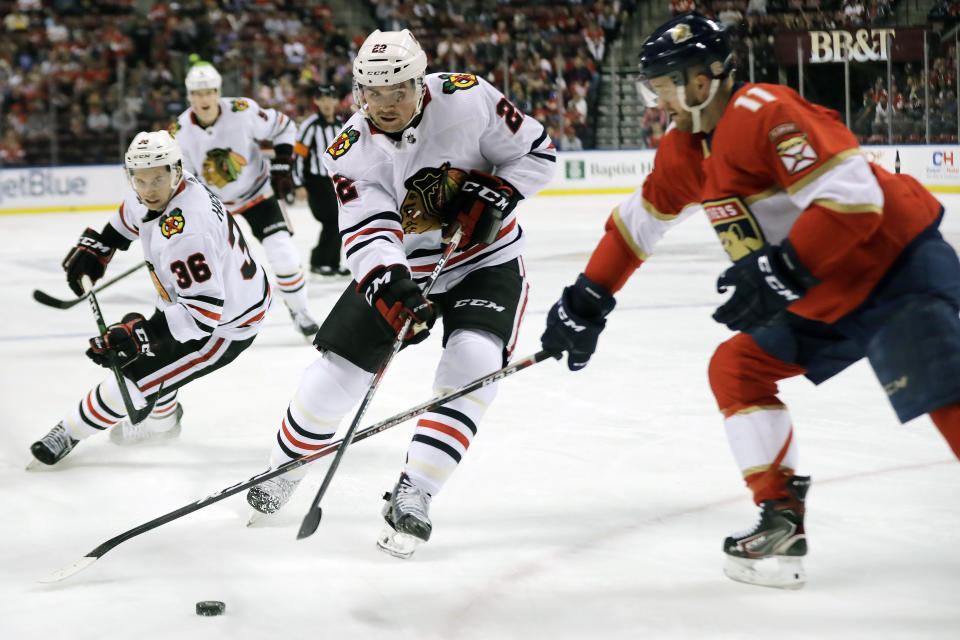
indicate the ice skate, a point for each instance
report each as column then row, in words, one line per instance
column 150, row 430
column 770, row 554
column 53, row 447
column 269, row 496
column 304, row 323
column 407, row 521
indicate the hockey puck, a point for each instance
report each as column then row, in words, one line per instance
column 210, row 608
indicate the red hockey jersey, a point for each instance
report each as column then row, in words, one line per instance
column 775, row 167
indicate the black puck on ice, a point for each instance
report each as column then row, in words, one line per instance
column 210, row 608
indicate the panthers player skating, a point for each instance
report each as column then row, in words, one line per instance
column 423, row 152
column 834, row 259
column 219, row 137
column 212, row 296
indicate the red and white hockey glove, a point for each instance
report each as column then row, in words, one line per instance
column 395, row 296
column 89, row 258
column 129, row 339
column 484, row 202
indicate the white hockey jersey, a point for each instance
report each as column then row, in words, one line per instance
column 382, row 182
column 226, row 155
column 207, row 280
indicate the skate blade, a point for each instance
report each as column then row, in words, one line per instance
column 780, row 572
column 36, row 465
column 396, row 544
column 258, row 519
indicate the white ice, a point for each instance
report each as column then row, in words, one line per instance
column 591, row 505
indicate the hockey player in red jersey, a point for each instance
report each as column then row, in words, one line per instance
column 834, row 259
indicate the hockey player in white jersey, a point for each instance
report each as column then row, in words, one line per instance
column 212, row 296
column 220, row 141
column 423, row 152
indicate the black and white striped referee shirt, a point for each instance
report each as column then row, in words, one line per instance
column 313, row 137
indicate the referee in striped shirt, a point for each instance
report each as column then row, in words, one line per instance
column 315, row 134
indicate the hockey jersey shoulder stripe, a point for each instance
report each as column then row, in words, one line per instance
column 209, row 314
column 459, row 260
column 841, row 207
column 372, row 230
column 653, row 211
column 254, row 312
column 201, row 298
column 391, row 216
column 360, row 245
column 822, row 169
column 627, row 236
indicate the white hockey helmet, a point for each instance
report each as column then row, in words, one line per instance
column 386, row 58
column 155, row 149
column 203, row 75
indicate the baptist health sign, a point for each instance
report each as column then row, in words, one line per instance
column 586, row 172
column 99, row 188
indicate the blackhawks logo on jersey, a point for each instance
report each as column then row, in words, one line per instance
column 738, row 231
column 429, row 191
column 172, row 223
column 457, row 81
column 239, row 104
column 173, row 129
column 347, row 138
column 796, row 154
column 222, row 166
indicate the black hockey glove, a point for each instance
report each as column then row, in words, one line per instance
column 130, row 338
column 89, row 258
column 483, row 203
column 576, row 320
column 766, row 282
column 281, row 171
column 395, row 296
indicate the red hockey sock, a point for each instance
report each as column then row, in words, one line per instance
column 947, row 420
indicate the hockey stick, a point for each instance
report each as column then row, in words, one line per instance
column 133, row 414
column 57, row 303
column 393, row 421
column 311, row 520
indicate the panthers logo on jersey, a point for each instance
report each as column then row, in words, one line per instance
column 240, row 105
column 429, row 191
column 739, row 233
column 172, row 223
column 347, row 138
column 222, row 166
column 458, row 81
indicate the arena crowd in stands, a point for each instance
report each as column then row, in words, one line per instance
column 78, row 78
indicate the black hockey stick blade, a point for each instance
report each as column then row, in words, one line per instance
column 363, row 434
column 48, row 300
column 56, row 303
column 140, row 415
column 310, row 523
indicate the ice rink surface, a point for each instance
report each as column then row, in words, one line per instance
column 591, row 505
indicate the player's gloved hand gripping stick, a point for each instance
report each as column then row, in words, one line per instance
column 110, row 356
column 311, row 520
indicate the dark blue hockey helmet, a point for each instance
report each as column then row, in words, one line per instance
column 686, row 40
